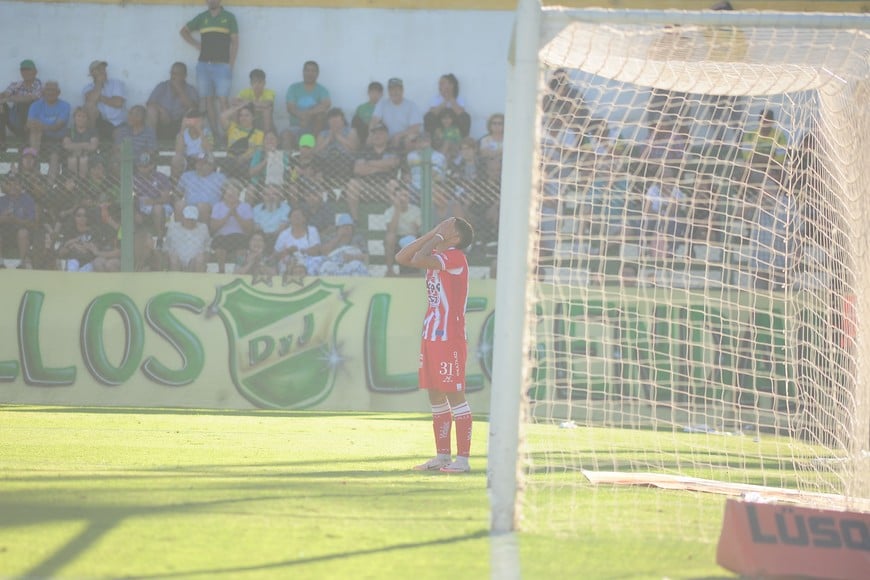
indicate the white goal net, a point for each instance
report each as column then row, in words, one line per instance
column 698, row 267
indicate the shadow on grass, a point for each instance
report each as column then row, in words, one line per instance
column 99, row 527
column 284, row 481
column 325, row 558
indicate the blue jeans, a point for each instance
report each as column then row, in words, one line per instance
column 213, row 79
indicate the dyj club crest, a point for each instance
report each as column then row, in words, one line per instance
column 283, row 351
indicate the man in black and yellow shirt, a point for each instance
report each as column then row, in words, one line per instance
column 218, row 45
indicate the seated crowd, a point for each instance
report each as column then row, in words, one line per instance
column 244, row 194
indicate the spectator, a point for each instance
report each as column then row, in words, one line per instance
column 65, row 197
column 437, row 161
column 307, row 103
column 243, row 137
column 298, row 243
column 232, row 222
column 776, row 222
column 491, row 145
column 447, row 99
column 375, row 166
column 218, row 45
column 402, row 218
column 269, row 165
column 261, row 98
column 193, row 141
column 302, row 162
column 17, row 219
column 141, row 136
column 82, row 242
column 169, row 101
column 344, row 254
column 47, row 120
column 318, row 207
column 15, row 102
column 153, row 190
column 105, row 99
column 764, row 149
column 257, row 260
column 564, row 99
column 272, row 215
column 400, row 115
column 79, row 143
column 362, row 117
column 661, row 212
column 187, row 242
column 447, row 135
column 100, row 188
column 463, row 168
column 336, row 148
column 32, row 179
column 201, row 186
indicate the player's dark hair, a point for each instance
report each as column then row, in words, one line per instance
column 465, row 231
column 257, row 75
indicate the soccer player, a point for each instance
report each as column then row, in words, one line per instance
column 444, row 344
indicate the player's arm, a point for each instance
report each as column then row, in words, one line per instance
column 418, row 254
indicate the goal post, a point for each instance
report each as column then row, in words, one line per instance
column 511, row 368
column 683, row 261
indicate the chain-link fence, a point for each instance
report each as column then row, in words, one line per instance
column 314, row 208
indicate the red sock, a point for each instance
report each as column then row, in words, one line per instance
column 441, row 424
column 462, row 417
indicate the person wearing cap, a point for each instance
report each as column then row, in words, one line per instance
column 374, row 167
column 105, row 101
column 401, row 116
column 47, row 121
column 15, row 101
column 169, row 101
column 153, row 191
column 201, row 186
column 187, row 242
column 302, row 162
column 193, row 140
column 308, row 102
column 218, row 45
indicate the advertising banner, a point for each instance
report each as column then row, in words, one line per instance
column 212, row 341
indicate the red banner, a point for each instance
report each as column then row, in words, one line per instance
column 779, row 540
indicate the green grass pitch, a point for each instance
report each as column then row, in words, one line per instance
column 157, row 493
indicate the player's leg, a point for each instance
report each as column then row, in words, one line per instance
column 441, row 416
column 462, row 417
column 454, row 389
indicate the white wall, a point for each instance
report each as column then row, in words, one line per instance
column 353, row 47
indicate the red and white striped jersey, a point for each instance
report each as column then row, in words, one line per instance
column 447, row 293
